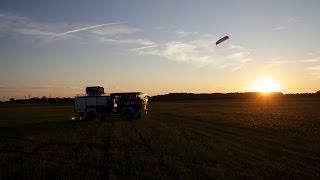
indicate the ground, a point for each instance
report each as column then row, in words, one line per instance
column 190, row 140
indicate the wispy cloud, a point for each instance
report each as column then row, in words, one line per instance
column 237, row 60
column 314, row 68
column 139, row 49
column 116, row 29
column 237, row 47
column 2, row 86
column 86, row 28
column 185, row 52
column 198, row 48
column 286, row 24
column 277, row 61
column 314, row 71
column 34, row 32
column 182, row 33
column 135, row 41
column 316, row 75
column 182, row 52
column 201, row 52
column 311, row 60
column 240, row 56
column 21, row 25
column 52, row 87
column 279, row 28
column 52, row 31
column 121, row 34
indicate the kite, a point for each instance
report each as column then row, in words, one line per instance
column 222, row 39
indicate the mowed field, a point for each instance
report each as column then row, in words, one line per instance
column 188, row 140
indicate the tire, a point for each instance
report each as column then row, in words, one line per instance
column 127, row 115
column 91, row 114
column 138, row 115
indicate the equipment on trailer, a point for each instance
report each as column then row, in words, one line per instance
column 94, row 91
column 94, row 105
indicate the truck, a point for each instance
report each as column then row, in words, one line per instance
column 96, row 105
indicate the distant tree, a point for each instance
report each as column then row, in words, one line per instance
column 318, row 92
column 43, row 98
column 11, row 100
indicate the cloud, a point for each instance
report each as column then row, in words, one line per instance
column 315, row 71
column 116, row 30
column 292, row 20
column 185, row 52
column 40, row 87
column 279, row 28
column 237, row 47
column 316, row 75
column 110, row 33
column 121, row 34
column 199, row 49
column 142, row 48
column 276, row 61
column 2, row 86
column 237, row 60
column 312, row 60
column 182, row 33
column 34, row 32
column 279, row 62
column 24, row 26
column 136, row 41
column 86, row 28
column 287, row 23
column 316, row 68
column 12, row 17
column 240, row 56
column 52, row 87
column 200, row 52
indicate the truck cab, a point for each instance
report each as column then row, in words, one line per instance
column 129, row 104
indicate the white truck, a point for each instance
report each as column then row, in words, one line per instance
column 96, row 105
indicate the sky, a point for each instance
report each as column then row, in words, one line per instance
column 57, row 48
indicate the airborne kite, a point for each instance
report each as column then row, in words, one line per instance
column 222, row 39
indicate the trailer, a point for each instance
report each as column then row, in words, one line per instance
column 96, row 106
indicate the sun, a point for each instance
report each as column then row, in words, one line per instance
column 267, row 84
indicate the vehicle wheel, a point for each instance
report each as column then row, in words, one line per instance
column 80, row 117
column 139, row 115
column 91, row 114
column 127, row 115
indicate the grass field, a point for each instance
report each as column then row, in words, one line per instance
column 188, row 140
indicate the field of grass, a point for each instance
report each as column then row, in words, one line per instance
column 188, row 140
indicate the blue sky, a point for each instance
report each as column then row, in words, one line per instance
column 56, row 48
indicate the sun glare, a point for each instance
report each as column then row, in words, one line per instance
column 267, row 84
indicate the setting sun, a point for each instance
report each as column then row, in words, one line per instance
column 266, row 84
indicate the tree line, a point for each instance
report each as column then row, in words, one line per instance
column 179, row 97
column 226, row 96
column 56, row 100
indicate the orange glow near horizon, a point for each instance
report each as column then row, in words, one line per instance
column 266, row 84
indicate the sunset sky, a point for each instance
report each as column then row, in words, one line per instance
column 57, row 48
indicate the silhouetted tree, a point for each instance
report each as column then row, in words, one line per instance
column 11, row 100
